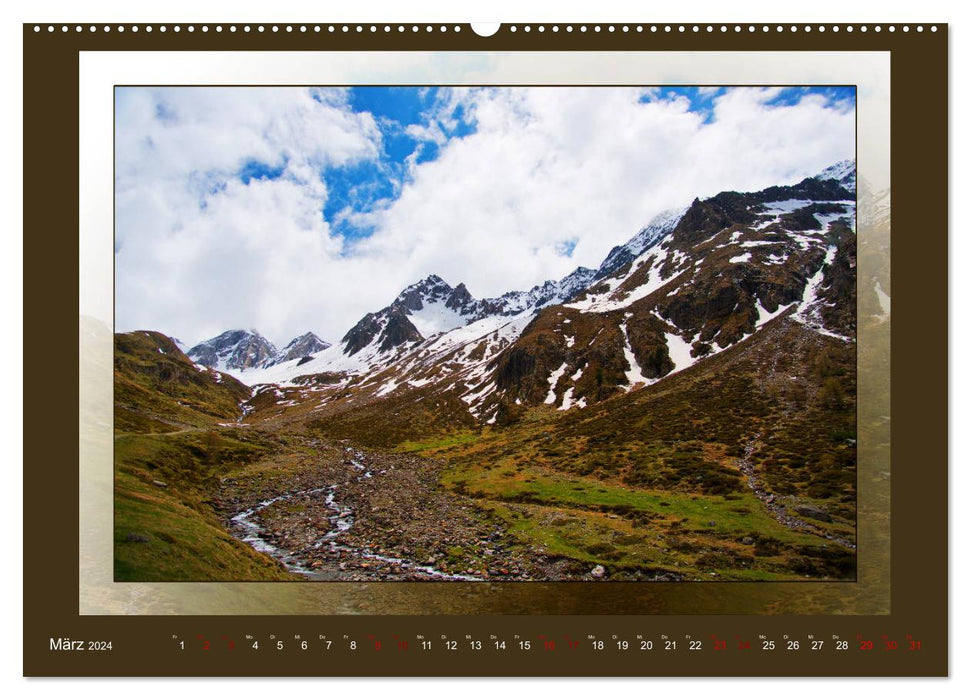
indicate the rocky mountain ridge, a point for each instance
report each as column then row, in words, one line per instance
column 239, row 350
column 432, row 306
column 301, row 347
column 691, row 284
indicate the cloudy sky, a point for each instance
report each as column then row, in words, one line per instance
column 296, row 209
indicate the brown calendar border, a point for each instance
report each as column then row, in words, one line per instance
column 141, row 644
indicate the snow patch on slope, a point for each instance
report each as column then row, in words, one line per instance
column 766, row 316
column 635, row 374
column 434, row 318
column 554, row 378
column 679, row 351
column 611, row 301
column 807, row 313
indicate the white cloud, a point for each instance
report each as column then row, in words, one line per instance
column 200, row 251
column 551, row 165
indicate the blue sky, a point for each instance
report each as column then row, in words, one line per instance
column 362, row 186
column 702, row 99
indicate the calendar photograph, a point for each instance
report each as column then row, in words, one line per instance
column 487, row 334
column 486, row 350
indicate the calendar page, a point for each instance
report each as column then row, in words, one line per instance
column 529, row 350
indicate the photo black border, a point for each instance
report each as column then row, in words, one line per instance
column 856, row 125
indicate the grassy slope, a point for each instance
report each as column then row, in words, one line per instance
column 164, row 527
column 645, row 483
column 648, row 481
column 159, row 389
column 169, row 453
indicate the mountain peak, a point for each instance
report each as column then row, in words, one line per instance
column 309, row 335
column 415, row 296
column 658, row 227
column 302, row 346
column 844, row 172
column 459, row 298
column 430, row 282
column 233, row 349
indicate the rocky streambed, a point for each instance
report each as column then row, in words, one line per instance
column 347, row 515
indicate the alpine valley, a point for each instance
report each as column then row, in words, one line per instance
column 684, row 412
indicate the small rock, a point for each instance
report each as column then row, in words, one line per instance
column 711, row 523
column 598, row 571
column 160, row 484
column 748, row 540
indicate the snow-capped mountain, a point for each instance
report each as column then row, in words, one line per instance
column 697, row 285
column 619, row 256
column 301, row 347
column 432, row 306
column 420, row 311
column 233, row 350
column 237, row 352
column 429, row 313
column 844, row 172
column 549, row 292
column 691, row 284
